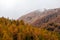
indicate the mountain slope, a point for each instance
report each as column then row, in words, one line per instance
column 29, row 18
column 38, row 18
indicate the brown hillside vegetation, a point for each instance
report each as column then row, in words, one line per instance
column 38, row 18
column 53, row 25
column 17, row 30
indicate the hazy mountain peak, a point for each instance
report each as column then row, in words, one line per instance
column 37, row 17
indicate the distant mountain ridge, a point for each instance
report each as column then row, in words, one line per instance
column 38, row 18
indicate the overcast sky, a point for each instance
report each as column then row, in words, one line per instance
column 16, row 8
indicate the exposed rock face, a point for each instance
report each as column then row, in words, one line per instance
column 37, row 18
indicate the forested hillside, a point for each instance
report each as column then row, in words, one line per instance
column 17, row 30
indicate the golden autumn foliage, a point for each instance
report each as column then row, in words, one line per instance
column 17, row 30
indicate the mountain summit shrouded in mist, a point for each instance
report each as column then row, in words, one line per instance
column 36, row 17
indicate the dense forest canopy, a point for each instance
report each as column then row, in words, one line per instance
column 18, row 30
